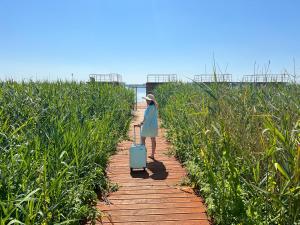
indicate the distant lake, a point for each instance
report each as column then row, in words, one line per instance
column 141, row 92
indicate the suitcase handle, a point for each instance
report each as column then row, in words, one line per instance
column 134, row 134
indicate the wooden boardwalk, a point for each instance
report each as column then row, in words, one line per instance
column 152, row 197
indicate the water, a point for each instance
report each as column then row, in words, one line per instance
column 141, row 92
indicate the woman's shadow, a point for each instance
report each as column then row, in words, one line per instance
column 157, row 168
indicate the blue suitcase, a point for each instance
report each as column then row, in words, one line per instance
column 137, row 154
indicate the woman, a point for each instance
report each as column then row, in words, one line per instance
column 149, row 124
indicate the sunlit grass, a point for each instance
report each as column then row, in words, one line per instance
column 239, row 144
column 55, row 141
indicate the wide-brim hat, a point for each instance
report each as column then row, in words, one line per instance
column 149, row 97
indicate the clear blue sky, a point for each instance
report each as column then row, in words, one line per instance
column 52, row 39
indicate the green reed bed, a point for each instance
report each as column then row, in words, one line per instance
column 240, row 146
column 55, row 141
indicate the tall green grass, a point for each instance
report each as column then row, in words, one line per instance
column 240, row 145
column 55, row 141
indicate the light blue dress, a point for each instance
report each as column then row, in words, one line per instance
column 150, row 125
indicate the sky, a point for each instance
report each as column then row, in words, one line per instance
column 52, row 40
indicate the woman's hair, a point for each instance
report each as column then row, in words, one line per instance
column 154, row 103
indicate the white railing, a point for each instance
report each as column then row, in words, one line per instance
column 161, row 78
column 110, row 77
column 213, row 77
column 267, row 78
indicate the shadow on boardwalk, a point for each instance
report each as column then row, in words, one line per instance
column 157, row 168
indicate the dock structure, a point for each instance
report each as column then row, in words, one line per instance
column 154, row 80
column 210, row 78
column 135, row 85
column 267, row 78
column 255, row 79
column 109, row 78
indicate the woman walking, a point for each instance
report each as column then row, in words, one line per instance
column 149, row 126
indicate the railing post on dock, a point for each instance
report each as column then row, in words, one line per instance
column 267, row 78
column 212, row 78
column 112, row 78
column 136, row 98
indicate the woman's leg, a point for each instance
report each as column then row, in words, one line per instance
column 143, row 140
column 153, row 141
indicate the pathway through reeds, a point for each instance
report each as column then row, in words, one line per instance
column 154, row 196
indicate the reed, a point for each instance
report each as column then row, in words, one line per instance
column 240, row 146
column 55, row 141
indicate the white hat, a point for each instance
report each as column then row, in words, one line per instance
column 149, row 97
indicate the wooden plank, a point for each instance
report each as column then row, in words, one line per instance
column 151, row 178
column 165, row 211
column 151, row 196
column 126, row 167
column 148, row 184
column 164, row 159
column 144, row 187
column 148, row 191
column 171, row 182
column 158, row 218
column 134, row 182
column 153, row 200
column 103, row 206
column 149, row 172
column 149, row 164
column 187, row 222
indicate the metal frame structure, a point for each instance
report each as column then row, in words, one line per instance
column 267, row 78
column 161, row 78
column 135, row 85
column 209, row 78
column 135, row 88
column 106, row 78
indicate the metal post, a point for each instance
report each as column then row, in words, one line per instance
column 135, row 97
